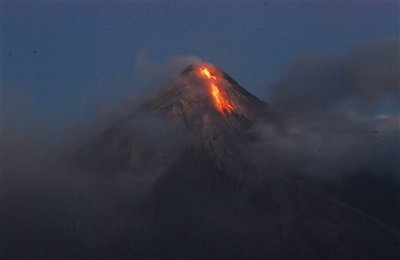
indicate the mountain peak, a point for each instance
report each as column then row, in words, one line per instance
column 206, row 102
column 204, row 94
column 203, row 102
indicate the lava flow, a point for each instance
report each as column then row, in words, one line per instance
column 218, row 94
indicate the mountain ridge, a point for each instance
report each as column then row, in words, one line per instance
column 209, row 201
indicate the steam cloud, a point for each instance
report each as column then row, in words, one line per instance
column 154, row 74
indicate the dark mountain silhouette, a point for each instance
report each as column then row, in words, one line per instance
column 210, row 202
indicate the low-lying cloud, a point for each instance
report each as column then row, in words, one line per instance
column 335, row 117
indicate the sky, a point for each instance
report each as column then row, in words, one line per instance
column 61, row 58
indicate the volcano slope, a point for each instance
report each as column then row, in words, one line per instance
column 209, row 202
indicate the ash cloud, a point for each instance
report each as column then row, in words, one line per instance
column 337, row 123
column 337, row 116
column 316, row 84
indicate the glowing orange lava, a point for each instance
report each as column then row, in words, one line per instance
column 221, row 102
column 206, row 72
column 218, row 94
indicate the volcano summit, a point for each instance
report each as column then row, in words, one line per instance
column 205, row 102
column 203, row 95
column 208, row 200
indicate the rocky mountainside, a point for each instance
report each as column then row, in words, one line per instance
column 202, row 206
column 190, row 103
column 206, row 193
column 216, row 110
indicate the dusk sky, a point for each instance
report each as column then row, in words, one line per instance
column 62, row 58
column 112, row 147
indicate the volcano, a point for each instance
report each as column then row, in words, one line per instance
column 214, row 110
column 208, row 201
column 207, row 103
